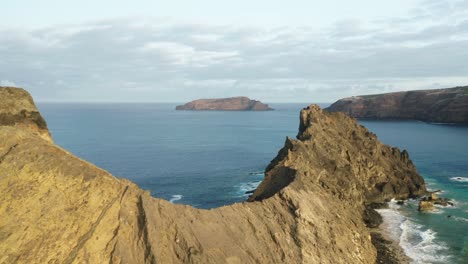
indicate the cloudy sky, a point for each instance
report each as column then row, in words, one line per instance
column 272, row 50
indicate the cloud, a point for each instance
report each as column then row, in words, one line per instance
column 7, row 83
column 162, row 60
column 181, row 54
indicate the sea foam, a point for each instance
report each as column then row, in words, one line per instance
column 420, row 245
column 176, row 197
column 459, row 179
column 418, row 242
column 246, row 187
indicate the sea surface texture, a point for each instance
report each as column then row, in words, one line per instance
column 209, row 159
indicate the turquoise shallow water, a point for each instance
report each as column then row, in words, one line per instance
column 440, row 152
column 210, row 159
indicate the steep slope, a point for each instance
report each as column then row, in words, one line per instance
column 439, row 105
column 225, row 104
column 311, row 207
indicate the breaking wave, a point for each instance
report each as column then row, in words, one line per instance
column 176, row 197
column 418, row 242
column 459, row 179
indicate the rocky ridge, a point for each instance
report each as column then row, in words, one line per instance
column 240, row 103
column 312, row 206
column 438, row 105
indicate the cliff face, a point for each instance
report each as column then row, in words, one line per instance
column 17, row 108
column 225, row 104
column 311, row 207
column 441, row 105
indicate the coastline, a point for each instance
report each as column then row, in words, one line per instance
column 388, row 250
column 387, row 246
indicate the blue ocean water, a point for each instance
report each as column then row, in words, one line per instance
column 210, row 159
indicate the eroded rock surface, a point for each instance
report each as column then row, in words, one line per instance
column 241, row 103
column 17, row 108
column 57, row 208
column 438, row 105
column 428, row 203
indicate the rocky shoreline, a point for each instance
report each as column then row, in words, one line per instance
column 388, row 250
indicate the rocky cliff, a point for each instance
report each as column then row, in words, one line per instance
column 312, row 207
column 440, row 105
column 225, row 104
column 17, row 109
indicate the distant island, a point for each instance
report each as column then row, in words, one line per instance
column 439, row 105
column 240, row 103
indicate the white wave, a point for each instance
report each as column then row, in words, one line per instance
column 460, row 219
column 418, row 243
column 438, row 209
column 175, row 197
column 247, row 187
column 391, row 224
column 459, row 179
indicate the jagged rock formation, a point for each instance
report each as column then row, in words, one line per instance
column 439, row 105
column 17, row 108
column 428, row 203
column 225, row 104
column 311, row 207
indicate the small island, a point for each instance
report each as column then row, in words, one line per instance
column 437, row 106
column 240, row 103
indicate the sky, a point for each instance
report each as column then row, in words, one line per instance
column 274, row 51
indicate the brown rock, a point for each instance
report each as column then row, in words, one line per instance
column 425, row 205
column 17, row 108
column 438, row 105
column 57, row 208
column 225, row 104
column 336, row 153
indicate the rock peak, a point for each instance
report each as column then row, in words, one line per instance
column 17, row 108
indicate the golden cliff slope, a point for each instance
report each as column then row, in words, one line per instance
column 56, row 208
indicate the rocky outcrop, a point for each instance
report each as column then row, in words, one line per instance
column 225, row 104
column 439, row 105
column 428, row 203
column 57, row 208
column 17, row 108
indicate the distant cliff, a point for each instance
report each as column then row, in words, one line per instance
column 225, row 104
column 439, row 105
column 312, row 207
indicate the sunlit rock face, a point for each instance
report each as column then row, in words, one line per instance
column 57, row 208
column 17, row 108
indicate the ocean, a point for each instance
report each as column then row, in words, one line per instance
column 211, row 159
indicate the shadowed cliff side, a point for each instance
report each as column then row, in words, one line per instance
column 56, row 208
column 438, row 105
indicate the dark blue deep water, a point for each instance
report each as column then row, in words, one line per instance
column 210, row 159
